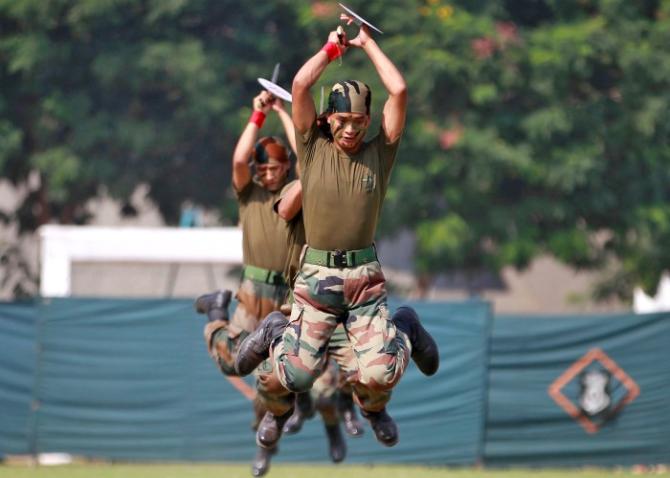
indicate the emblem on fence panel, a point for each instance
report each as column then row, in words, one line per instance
column 593, row 390
column 595, row 395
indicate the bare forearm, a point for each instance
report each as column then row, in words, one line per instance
column 291, row 203
column 288, row 129
column 390, row 75
column 303, row 110
column 395, row 107
column 310, row 72
column 243, row 148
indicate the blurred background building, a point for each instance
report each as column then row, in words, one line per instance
column 547, row 286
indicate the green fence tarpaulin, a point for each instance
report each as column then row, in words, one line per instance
column 131, row 380
column 548, row 378
column 18, row 347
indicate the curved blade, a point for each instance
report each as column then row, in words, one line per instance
column 275, row 89
column 358, row 20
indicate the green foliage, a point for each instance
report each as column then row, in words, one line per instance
column 534, row 126
column 442, row 240
column 61, row 166
column 543, row 126
column 119, row 93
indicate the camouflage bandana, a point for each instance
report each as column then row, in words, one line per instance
column 270, row 147
column 350, row 96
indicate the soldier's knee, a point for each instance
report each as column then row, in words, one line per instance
column 219, row 352
column 380, row 381
column 298, row 380
column 226, row 368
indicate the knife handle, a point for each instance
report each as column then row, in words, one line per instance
column 340, row 34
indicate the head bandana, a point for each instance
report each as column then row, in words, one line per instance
column 350, row 96
column 268, row 148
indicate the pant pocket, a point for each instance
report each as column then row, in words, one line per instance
column 295, row 326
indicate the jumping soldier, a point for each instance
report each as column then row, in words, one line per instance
column 267, row 258
column 262, row 288
column 343, row 184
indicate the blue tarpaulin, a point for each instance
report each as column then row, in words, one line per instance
column 131, row 380
column 533, row 356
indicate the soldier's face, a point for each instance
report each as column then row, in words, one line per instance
column 348, row 129
column 272, row 174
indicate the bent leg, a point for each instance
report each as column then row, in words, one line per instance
column 341, row 350
column 382, row 353
column 372, row 401
column 273, row 396
column 299, row 357
column 223, row 338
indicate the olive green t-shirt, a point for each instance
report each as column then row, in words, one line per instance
column 342, row 194
column 264, row 233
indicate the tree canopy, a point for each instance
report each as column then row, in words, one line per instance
column 534, row 126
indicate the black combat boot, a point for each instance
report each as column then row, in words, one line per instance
column 259, row 413
column 256, row 347
column 383, row 425
column 345, row 405
column 270, row 429
column 261, row 463
column 424, row 349
column 215, row 305
column 304, row 409
column 336, row 444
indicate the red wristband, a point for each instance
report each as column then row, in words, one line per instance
column 332, row 50
column 258, row 118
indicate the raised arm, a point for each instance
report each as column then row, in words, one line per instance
column 303, row 109
column 241, row 169
column 291, row 202
column 287, row 123
column 395, row 108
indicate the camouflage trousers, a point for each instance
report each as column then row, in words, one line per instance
column 374, row 355
column 223, row 339
column 334, row 381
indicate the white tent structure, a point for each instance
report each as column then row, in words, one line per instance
column 60, row 246
column 643, row 304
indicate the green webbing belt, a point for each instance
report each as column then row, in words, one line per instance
column 341, row 259
column 263, row 275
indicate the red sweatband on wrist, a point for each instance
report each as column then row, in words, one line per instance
column 332, row 50
column 258, row 118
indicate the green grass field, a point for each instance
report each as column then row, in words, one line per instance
column 301, row 471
